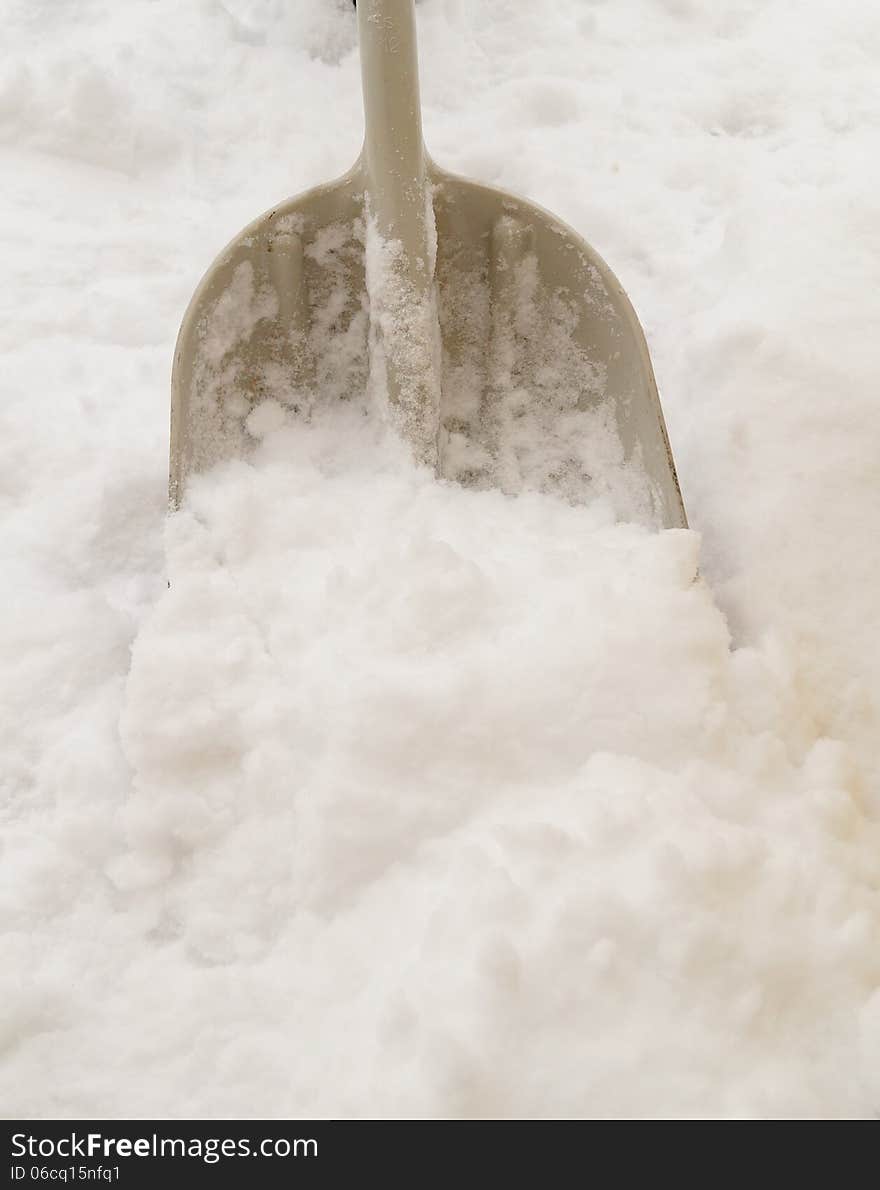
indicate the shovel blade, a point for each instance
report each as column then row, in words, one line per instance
column 280, row 316
column 546, row 383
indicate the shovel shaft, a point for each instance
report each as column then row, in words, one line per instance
column 394, row 154
column 404, row 331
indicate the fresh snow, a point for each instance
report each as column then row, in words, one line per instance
column 407, row 799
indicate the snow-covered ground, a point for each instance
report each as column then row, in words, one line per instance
column 411, row 800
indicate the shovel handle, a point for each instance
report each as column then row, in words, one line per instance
column 394, row 153
column 404, row 332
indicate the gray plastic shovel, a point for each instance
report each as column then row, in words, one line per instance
column 493, row 339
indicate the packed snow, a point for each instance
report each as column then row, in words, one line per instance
column 346, row 791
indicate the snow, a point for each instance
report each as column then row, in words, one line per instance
column 409, row 799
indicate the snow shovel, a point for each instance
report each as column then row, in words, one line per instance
column 489, row 335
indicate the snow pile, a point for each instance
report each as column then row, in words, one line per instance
column 452, row 804
column 407, row 798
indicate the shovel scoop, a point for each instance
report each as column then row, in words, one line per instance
column 483, row 331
